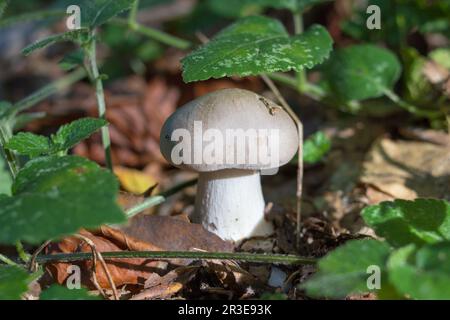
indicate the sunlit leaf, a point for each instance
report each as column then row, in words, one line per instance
column 403, row 222
column 256, row 45
column 56, row 196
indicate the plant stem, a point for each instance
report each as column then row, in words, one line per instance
column 299, row 124
column 163, row 255
column 154, row 34
column 7, row 260
column 132, row 18
column 8, row 154
column 22, row 253
column 158, row 199
column 106, row 140
column 409, row 107
column 298, row 28
column 49, row 90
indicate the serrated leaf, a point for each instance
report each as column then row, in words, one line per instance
column 422, row 274
column 403, row 222
column 344, row 270
column 361, row 72
column 13, row 282
column 72, row 60
column 71, row 134
column 29, row 144
column 56, row 196
column 56, row 292
column 256, row 45
column 97, row 12
column 73, row 35
column 316, row 147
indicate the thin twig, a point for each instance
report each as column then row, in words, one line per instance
column 100, row 95
column 98, row 255
column 159, row 198
column 167, row 255
column 299, row 124
column 33, row 265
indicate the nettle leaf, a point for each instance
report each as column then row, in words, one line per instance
column 422, row 274
column 361, row 72
column 73, row 35
column 71, row 134
column 56, row 196
column 13, row 282
column 345, row 270
column 403, row 222
column 72, row 60
column 56, row 292
column 316, row 147
column 256, row 45
column 30, row 144
column 97, row 12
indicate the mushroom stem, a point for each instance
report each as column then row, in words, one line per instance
column 230, row 204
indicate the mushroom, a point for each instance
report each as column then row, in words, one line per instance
column 230, row 136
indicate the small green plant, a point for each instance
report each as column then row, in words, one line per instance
column 413, row 259
column 46, row 194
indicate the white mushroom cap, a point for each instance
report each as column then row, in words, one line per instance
column 232, row 109
column 229, row 199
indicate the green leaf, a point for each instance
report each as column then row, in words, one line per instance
column 29, row 144
column 403, row 222
column 293, row 5
column 316, row 147
column 97, row 12
column 56, row 196
column 256, row 45
column 5, row 178
column 422, row 274
column 72, row 60
column 361, row 72
column 73, row 35
column 71, row 134
column 345, row 270
column 13, row 282
column 56, row 292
